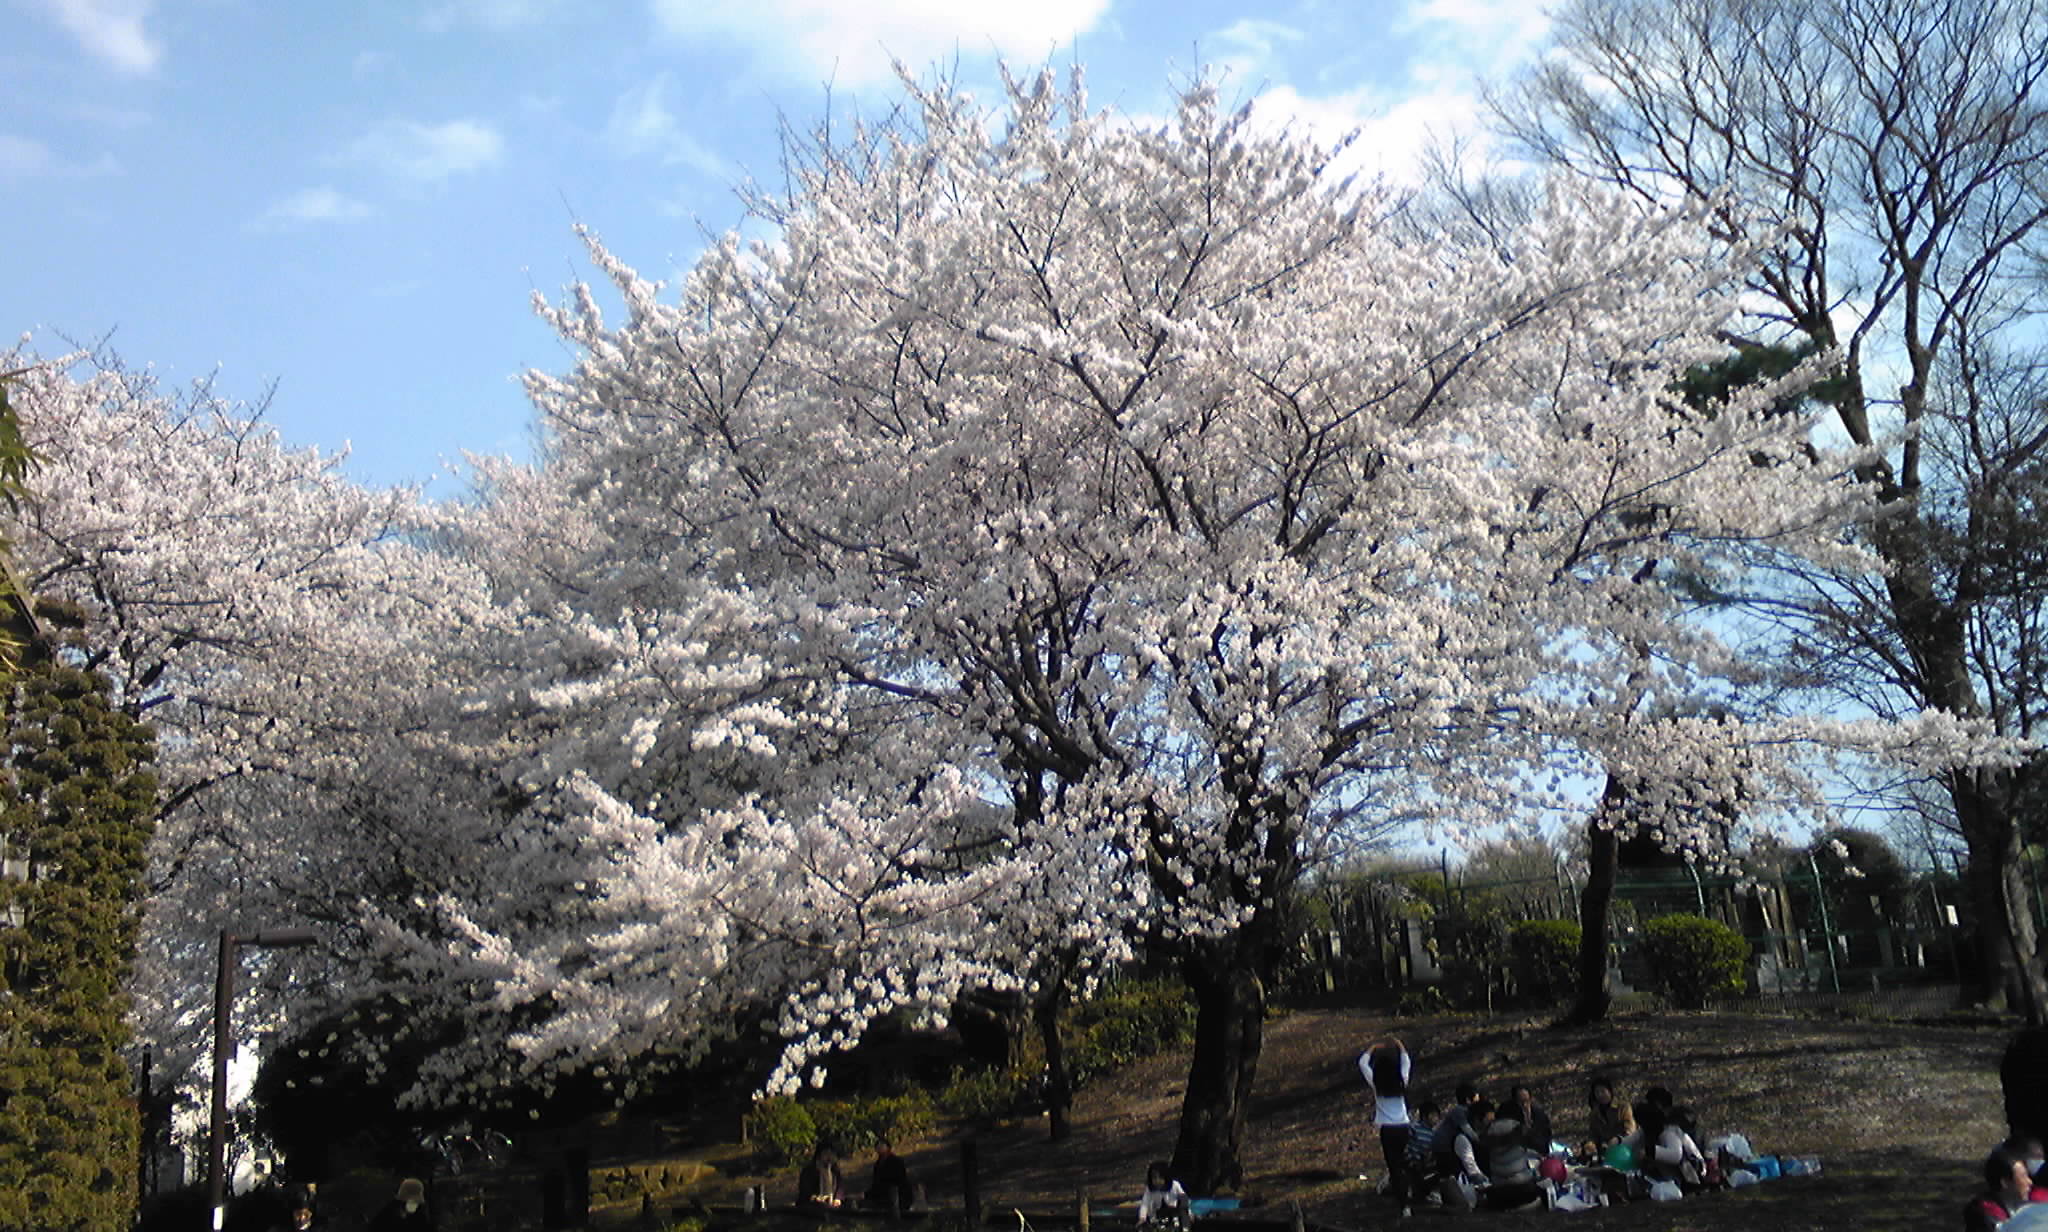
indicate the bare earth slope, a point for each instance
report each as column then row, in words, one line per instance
column 1900, row 1114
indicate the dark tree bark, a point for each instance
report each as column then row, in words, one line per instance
column 1059, row 1084
column 1596, row 908
column 1230, row 1011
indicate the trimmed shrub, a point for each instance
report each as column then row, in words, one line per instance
column 1546, row 958
column 1693, row 959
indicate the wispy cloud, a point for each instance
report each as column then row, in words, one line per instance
column 24, row 158
column 1246, row 49
column 643, row 126
column 1477, row 36
column 109, row 30
column 311, row 206
column 853, row 44
column 426, row 153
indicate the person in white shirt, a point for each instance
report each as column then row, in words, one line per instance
column 1163, row 1201
column 1386, row 1066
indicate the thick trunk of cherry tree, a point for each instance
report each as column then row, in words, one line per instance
column 2006, row 937
column 1935, row 627
column 1596, row 909
column 1230, row 1011
column 1059, row 1084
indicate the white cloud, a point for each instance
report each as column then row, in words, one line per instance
column 1483, row 36
column 853, row 44
column 313, row 205
column 1247, row 48
column 109, row 30
column 1392, row 132
column 426, row 153
column 642, row 126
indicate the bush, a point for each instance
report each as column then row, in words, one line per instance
column 1693, row 959
column 785, row 1128
column 789, row 1130
column 985, row 1096
column 1129, row 1022
column 1546, row 958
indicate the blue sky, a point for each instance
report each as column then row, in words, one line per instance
column 354, row 199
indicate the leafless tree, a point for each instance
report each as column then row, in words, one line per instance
column 1902, row 148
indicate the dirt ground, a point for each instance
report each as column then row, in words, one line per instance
column 1900, row 1114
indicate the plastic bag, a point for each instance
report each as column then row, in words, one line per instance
column 1666, row 1191
column 1801, row 1165
column 1739, row 1178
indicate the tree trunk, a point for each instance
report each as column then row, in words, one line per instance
column 1059, row 1085
column 1596, row 908
column 2006, row 939
column 1230, row 1010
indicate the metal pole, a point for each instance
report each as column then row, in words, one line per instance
column 216, row 1125
column 223, row 1003
column 1820, row 895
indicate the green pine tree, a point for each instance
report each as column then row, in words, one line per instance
column 76, row 809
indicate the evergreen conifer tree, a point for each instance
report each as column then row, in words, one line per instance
column 76, row 809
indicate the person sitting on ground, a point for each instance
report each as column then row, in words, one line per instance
column 2028, row 1149
column 1422, row 1150
column 1459, row 1114
column 1652, row 1112
column 2006, row 1185
column 407, row 1211
column 889, row 1188
column 1675, row 1155
column 1459, row 1160
column 1163, row 1204
column 821, row 1185
column 1534, row 1121
column 1609, row 1119
column 1511, row 1166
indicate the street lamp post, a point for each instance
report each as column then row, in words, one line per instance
column 223, row 1002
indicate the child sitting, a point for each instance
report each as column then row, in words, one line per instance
column 1422, row 1173
column 1163, row 1204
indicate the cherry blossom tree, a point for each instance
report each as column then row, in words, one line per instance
column 461, row 742
column 1214, row 512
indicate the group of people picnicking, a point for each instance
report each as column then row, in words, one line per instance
column 822, row 1183
column 1479, row 1153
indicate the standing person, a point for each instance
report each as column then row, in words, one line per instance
column 406, row 1212
column 1386, row 1067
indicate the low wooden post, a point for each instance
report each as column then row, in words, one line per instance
column 1082, row 1214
